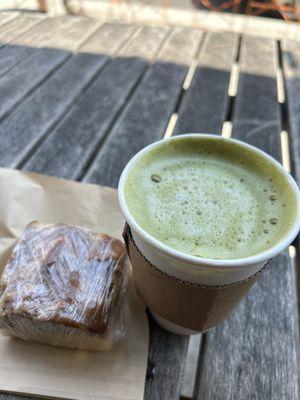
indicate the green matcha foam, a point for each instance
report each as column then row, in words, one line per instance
column 211, row 199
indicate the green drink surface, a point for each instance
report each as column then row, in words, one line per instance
column 209, row 198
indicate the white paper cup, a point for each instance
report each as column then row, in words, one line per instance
column 194, row 269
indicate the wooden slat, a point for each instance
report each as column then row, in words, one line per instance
column 87, row 123
column 6, row 17
column 146, row 116
column 166, row 360
column 26, row 76
column 291, row 67
column 18, row 26
column 58, row 33
column 291, row 70
column 8, row 396
column 108, row 39
column 253, row 354
column 257, row 114
column 34, row 117
column 67, row 33
column 11, row 53
column 15, row 41
column 290, row 49
column 206, row 103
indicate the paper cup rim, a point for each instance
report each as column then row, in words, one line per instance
column 194, row 260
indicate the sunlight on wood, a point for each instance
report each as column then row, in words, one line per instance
column 171, row 125
column 292, row 251
column 234, row 80
column 189, row 76
column 191, row 367
column 227, row 129
column 280, row 86
column 285, row 150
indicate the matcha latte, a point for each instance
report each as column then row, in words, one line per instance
column 210, row 198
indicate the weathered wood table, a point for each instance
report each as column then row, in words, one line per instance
column 79, row 97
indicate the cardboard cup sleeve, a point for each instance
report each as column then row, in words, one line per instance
column 193, row 306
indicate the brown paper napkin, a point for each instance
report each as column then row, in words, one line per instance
column 36, row 369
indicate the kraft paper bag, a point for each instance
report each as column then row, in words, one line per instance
column 45, row 371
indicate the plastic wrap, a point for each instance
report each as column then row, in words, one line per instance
column 63, row 286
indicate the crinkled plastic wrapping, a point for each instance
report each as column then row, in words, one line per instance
column 64, row 286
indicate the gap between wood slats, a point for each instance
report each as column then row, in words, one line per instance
column 106, row 64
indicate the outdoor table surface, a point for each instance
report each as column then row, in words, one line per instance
column 79, row 97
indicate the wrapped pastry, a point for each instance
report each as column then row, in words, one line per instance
column 63, row 286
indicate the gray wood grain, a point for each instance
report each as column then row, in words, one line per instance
column 256, row 112
column 24, row 44
column 166, row 360
column 10, row 396
column 84, row 127
column 61, row 33
column 25, row 127
column 205, row 106
column 11, row 52
column 147, row 114
column 291, row 67
column 58, row 33
column 27, row 75
column 253, row 354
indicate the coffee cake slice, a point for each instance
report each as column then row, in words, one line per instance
column 62, row 286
